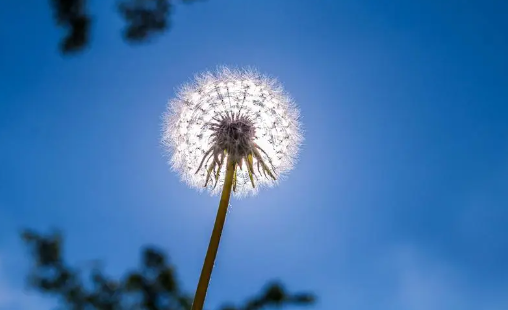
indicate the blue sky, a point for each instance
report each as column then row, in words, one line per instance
column 399, row 200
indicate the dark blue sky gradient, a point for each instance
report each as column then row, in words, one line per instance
column 399, row 200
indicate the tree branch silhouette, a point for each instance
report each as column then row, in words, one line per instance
column 152, row 286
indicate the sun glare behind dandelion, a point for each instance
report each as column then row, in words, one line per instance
column 232, row 113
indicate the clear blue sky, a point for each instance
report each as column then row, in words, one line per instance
column 400, row 197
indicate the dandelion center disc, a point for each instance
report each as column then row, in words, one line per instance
column 235, row 134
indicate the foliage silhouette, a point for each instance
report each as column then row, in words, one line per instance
column 144, row 19
column 153, row 286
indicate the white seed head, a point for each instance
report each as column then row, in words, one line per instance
column 236, row 114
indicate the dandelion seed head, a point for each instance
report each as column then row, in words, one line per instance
column 238, row 114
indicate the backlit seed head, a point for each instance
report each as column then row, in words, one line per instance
column 237, row 114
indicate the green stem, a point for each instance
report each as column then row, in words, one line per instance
column 206, row 272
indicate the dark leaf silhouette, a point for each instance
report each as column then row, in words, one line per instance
column 73, row 17
column 153, row 286
column 144, row 18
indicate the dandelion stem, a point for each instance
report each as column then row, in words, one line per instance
column 213, row 246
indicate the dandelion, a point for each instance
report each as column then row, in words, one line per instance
column 234, row 130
